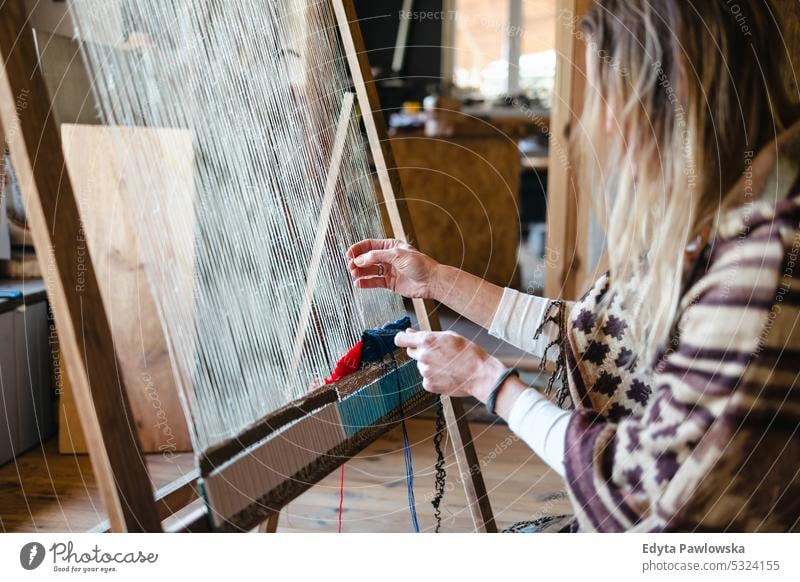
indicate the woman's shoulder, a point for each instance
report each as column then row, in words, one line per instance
column 755, row 241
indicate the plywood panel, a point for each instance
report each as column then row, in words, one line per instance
column 463, row 195
column 96, row 159
column 789, row 15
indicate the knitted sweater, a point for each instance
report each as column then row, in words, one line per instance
column 706, row 437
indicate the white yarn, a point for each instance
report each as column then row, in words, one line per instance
column 257, row 87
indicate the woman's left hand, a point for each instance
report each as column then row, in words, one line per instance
column 450, row 364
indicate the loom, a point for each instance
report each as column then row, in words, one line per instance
column 248, row 177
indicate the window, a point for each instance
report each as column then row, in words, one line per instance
column 504, row 47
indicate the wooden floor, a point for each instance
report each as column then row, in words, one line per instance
column 47, row 492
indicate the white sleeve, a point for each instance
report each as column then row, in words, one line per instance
column 517, row 318
column 543, row 427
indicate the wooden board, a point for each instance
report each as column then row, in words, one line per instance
column 567, row 208
column 95, row 157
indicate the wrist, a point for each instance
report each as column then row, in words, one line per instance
column 491, row 370
column 508, row 395
column 438, row 275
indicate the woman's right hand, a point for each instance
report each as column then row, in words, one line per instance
column 394, row 265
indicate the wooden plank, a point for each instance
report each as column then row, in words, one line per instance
column 170, row 499
column 192, row 519
column 788, row 13
column 391, row 187
column 326, row 209
column 98, row 161
column 86, row 339
column 567, row 215
column 292, row 412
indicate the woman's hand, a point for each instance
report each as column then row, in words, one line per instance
column 450, row 364
column 394, row 265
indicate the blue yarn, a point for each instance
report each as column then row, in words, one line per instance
column 376, row 345
column 412, row 505
column 379, row 343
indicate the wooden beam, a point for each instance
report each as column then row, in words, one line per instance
column 399, row 218
column 567, row 215
column 83, row 328
column 170, row 499
column 191, row 519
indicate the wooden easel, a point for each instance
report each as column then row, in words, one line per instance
column 84, row 331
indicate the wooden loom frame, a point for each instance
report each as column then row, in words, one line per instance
column 85, row 335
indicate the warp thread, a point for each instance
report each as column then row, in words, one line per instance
column 226, row 114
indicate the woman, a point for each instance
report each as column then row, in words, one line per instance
column 682, row 361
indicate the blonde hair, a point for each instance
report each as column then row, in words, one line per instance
column 688, row 91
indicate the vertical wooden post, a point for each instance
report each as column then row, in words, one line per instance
column 468, row 464
column 567, row 215
column 83, row 328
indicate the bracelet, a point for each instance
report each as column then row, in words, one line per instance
column 491, row 400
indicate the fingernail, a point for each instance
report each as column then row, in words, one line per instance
column 359, row 261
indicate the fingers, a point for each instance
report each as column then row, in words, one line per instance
column 411, row 339
column 420, row 345
column 371, row 258
column 371, row 283
column 371, row 271
column 370, row 244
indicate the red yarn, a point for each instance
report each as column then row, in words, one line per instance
column 347, row 364
column 341, row 500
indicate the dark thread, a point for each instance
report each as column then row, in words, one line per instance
column 441, row 473
column 391, row 367
column 556, row 314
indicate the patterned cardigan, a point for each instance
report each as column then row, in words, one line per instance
column 707, row 438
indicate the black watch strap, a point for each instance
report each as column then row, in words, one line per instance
column 491, row 401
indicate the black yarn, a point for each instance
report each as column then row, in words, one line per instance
column 441, row 473
column 556, row 313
